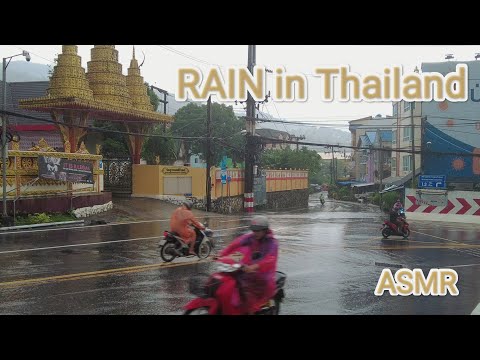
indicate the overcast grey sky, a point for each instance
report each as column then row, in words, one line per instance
column 162, row 62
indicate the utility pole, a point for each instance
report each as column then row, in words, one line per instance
column 209, row 153
column 413, row 145
column 422, row 145
column 250, row 143
column 164, row 101
column 380, row 170
column 4, row 141
column 334, row 175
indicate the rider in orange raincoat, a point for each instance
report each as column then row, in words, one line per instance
column 180, row 223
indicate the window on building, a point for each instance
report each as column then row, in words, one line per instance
column 394, row 136
column 408, row 105
column 407, row 163
column 394, row 164
column 407, row 133
column 395, row 109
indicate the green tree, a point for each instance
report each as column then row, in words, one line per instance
column 191, row 121
column 154, row 100
column 293, row 159
column 165, row 148
column 113, row 144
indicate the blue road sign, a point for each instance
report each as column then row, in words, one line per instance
column 432, row 181
column 224, row 176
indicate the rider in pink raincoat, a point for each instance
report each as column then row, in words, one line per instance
column 259, row 253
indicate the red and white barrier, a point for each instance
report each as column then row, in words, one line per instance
column 461, row 206
column 248, row 202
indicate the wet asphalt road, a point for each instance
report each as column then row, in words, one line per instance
column 333, row 256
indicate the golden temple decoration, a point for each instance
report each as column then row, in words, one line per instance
column 98, row 149
column 137, row 88
column 157, row 160
column 69, row 77
column 16, row 145
column 67, row 147
column 42, row 146
column 104, row 74
column 82, row 149
column 102, row 89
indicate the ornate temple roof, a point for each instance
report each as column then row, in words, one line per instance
column 102, row 90
column 136, row 87
column 104, row 73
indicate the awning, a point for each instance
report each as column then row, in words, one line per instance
column 399, row 180
column 346, row 183
column 363, row 185
column 392, row 188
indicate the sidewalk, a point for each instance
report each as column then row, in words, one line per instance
column 137, row 209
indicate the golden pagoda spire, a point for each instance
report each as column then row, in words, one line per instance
column 105, row 77
column 136, row 86
column 68, row 78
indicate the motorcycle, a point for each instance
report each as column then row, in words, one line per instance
column 390, row 228
column 173, row 246
column 214, row 292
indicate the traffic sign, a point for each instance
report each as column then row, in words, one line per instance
column 432, row 181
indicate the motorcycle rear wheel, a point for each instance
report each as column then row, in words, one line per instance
column 167, row 252
column 385, row 233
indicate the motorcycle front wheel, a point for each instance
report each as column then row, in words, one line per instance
column 406, row 233
column 199, row 311
column 167, row 252
column 204, row 249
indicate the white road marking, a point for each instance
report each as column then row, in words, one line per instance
column 103, row 225
column 476, row 311
column 102, row 242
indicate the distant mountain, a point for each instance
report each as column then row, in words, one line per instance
column 20, row 71
column 313, row 134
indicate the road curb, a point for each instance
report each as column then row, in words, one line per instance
column 21, row 227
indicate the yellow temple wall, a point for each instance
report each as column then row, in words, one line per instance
column 22, row 172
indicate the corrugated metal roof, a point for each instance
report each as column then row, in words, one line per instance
column 26, row 90
column 17, row 91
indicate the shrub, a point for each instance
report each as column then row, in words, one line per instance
column 39, row 218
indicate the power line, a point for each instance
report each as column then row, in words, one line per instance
column 178, row 52
column 368, row 148
column 93, row 128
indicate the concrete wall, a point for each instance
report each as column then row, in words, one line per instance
column 460, row 206
column 285, row 188
column 57, row 204
column 148, row 180
column 287, row 199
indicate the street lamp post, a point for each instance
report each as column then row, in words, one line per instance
column 4, row 130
